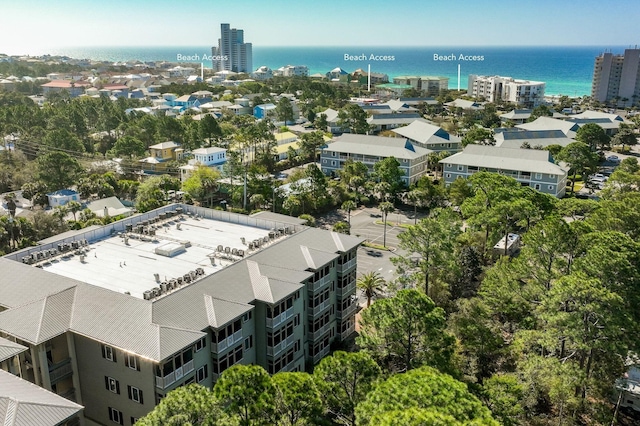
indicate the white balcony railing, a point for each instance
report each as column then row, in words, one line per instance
column 276, row 321
column 317, row 310
column 347, row 290
column 345, row 267
column 322, row 282
column 174, row 376
column 224, row 344
column 283, row 345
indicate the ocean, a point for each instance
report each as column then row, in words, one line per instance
column 565, row 70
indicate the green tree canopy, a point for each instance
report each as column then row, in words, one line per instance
column 191, row 405
column 439, row 395
column 407, row 331
column 57, row 170
column 344, row 379
column 592, row 135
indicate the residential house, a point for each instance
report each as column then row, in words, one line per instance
column 109, row 207
column 429, row 136
column 212, row 156
column 371, row 149
column 545, row 123
column 530, row 167
column 160, row 154
column 62, row 197
column 332, row 121
column 264, row 110
column 72, row 87
column 133, row 312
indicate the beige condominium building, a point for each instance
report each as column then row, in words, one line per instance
column 528, row 94
column 115, row 317
column 617, row 78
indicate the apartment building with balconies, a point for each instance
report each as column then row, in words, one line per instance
column 531, row 167
column 616, row 78
column 525, row 93
column 116, row 317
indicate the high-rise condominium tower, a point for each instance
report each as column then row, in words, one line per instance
column 232, row 53
column 616, row 78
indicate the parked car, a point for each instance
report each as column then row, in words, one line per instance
column 613, row 159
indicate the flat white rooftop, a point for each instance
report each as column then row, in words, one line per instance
column 127, row 261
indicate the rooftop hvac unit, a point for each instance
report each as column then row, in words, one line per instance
column 75, row 244
column 156, row 291
column 265, row 240
column 82, row 258
column 234, row 251
column 147, row 295
column 252, row 245
column 227, row 250
column 200, row 271
column 156, row 276
column 243, row 240
column 241, row 253
column 173, row 284
column 186, row 278
column 179, row 280
column 164, row 287
column 220, row 248
column 193, row 275
column 178, row 226
column 272, row 234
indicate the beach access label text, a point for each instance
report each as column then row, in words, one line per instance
column 460, row 57
column 371, row 57
column 203, row 57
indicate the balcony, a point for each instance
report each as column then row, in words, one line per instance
column 69, row 394
column 274, row 322
column 283, row 345
column 217, row 348
column 324, row 352
column 321, row 331
column 348, row 311
column 174, row 376
column 322, row 282
column 317, row 310
column 348, row 332
column 60, row 370
column 346, row 290
column 346, row 267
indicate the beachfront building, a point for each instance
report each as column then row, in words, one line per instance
column 426, row 135
column 616, row 78
column 232, row 53
column 430, row 85
column 530, row 167
column 371, row 149
column 115, row 317
column 528, row 94
column 292, row 71
column 71, row 87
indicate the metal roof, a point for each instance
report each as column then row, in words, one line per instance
column 425, row 133
column 376, row 146
column 9, row 349
column 491, row 157
column 25, row 404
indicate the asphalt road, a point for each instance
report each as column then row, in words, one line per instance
column 363, row 224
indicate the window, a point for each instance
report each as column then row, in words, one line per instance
column 135, row 394
column 199, row 345
column 134, row 420
column 131, row 361
column 538, row 176
column 248, row 343
column 333, row 154
column 108, row 353
column 246, row 317
column 448, row 175
column 333, row 163
column 202, row 373
column 112, row 384
column 460, row 167
column 550, row 187
column 536, row 186
column 116, row 416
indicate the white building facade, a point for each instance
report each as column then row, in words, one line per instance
column 524, row 93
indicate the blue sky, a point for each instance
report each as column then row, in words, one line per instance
column 32, row 26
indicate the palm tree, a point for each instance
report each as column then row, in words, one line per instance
column 371, row 284
column 348, row 206
column 385, row 207
column 74, row 207
column 415, row 197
